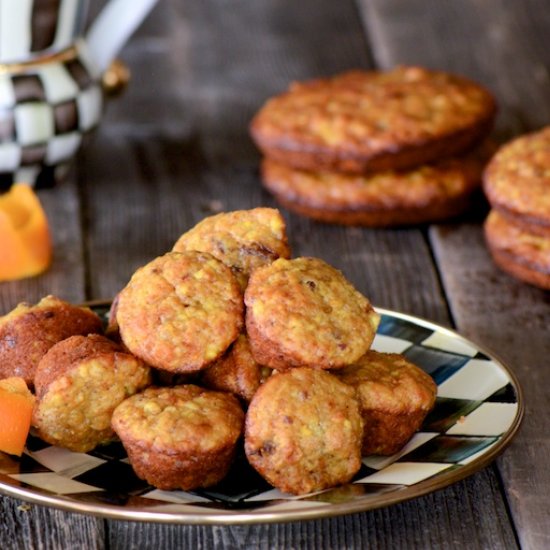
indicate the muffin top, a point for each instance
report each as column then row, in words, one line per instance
column 303, row 431
column 242, row 239
column 236, row 371
column 29, row 331
column 389, row 383
column 184, row 418
column 73, row 352
column 304, row 312
column 80, row 381
column 517, row 180
column 181, row 311
column 362, row 116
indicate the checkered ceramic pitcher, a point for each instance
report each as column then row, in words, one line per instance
column 50, row 80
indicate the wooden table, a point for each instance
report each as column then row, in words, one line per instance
column 175, row 148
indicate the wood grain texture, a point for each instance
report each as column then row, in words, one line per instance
column 26, row 526
column 484, row 303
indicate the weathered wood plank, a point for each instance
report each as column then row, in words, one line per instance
column 36, row 527
column 512, row 319
column 501, row 44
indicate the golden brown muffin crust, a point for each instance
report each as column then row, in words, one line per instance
column 361, row 121
column 426, row 194
column 394, row 396
column 304, row 312
column 517, row 180
column 79, row 382
column 523, row 255
column 75, row 349
column 181, row 437
column 181, row 311
column 303, row 431
column 236, row 371
column 29, row 331
column 242, row 239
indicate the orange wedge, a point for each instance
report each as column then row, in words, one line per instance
column 25, row 246
column 16, row 403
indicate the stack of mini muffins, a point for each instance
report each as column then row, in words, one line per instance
column 517, row 230
column 375, row 148
column 226, row 322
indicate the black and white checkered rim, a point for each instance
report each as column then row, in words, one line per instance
column 47, row 106
column 478, row 411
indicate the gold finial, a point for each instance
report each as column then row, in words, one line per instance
column 115, row 78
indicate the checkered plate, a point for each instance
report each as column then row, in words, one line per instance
column 478, row 410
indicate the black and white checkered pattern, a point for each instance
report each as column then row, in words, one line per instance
column 477, row 411
column 34, row 27
column 44, row 113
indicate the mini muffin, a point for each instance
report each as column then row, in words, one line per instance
column 243, row 240
column 519, row 253
column 304, row 312
column 394, row 396
column 29, row 331
column 236, row 372
column 426, row 194
column 303, row 431
column 369, row 121
column 517, row 180
column 181, row 311
column 79, row 382
column 182, row 437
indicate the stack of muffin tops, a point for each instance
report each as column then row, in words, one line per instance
column 517, row 230
column 375, row 148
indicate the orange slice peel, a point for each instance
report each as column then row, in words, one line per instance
column 16, row 404
column 25, row 245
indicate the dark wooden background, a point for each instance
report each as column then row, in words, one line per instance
column 175, row 148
